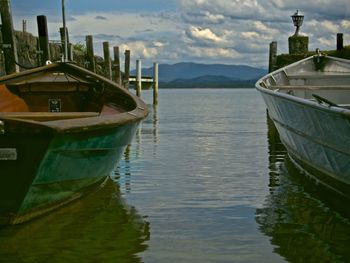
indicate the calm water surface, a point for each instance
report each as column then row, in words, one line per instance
column 205, row 180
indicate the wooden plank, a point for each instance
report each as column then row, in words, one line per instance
column 48, row 116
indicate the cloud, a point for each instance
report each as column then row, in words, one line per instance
column 227, row 31
column 101, row 18
column 203, row 34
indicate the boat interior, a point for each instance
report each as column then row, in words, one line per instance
column 329, row 85
column 50, row 96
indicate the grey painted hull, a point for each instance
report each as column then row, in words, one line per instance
column 316, row 136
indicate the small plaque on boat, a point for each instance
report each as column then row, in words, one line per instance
column 54, row 105
column 8, row 154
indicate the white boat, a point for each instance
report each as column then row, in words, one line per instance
column 309, row 103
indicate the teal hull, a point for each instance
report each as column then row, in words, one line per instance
column 60, row 167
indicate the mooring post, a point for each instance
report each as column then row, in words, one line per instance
column 24, row 26
column 273, row 56
column 155, row 83
column 126, row 69
column 138, row 78
column 90, row 53
column 65, row 35
column 116, row 65
column 9, row 45
column 70, row 52
column 107, row 60
column 340, row 44
column 43, row 39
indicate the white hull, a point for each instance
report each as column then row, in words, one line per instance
column 316, row 135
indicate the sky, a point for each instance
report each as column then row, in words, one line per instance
column 202, row 31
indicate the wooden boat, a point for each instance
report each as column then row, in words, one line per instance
column 309, row 102
column 62, row 130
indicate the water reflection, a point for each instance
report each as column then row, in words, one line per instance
column 97, row 228
column 122, row 173
column 305, row 223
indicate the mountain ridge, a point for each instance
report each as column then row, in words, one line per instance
column 191, row 71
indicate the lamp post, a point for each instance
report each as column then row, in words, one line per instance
column 65, row 54
column 297, row 21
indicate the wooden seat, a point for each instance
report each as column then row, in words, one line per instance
column 48, row 116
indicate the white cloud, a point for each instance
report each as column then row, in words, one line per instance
column 204, row 34
column 231, row 31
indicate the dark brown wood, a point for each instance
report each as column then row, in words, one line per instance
column 126, row 69
column 116, row 65
column 340, row 44
column 43, row 39
column 63, row 35
column 9, row 45
column 90, row 53
column 107, row 60
column 24, row 26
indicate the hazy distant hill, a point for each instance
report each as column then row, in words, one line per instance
column 191, row 71
column 208, row 81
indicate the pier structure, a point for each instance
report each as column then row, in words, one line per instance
column 20, row 50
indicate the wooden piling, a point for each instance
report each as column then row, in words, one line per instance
column 340, row 44
column 65, row 35
column 90, row 53
column 273, row 56
column 138, row 78
column 24, row 26
column 116, row 65
column 43, row 39
column 155, row 83
column 70, row 52
column 9, row 45
column 126, row 69
column 107, row 60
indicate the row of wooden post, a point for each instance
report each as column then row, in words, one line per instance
column 11, row 59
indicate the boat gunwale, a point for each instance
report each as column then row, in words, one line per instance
column 275, row 92
column 139, row 112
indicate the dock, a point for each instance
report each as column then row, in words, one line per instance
column 21, row 50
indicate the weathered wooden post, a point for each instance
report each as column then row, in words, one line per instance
column 24, row 26
column 138, row 78
column 116, row 65
column 340, row 44
column 273, row 56
column 66, row 40
column 155, row 83
column 8, row 37
column 90, row 53
column 70, row 52
column 127, row 69
column 43, row 39
column 65, row 35
column 107, row 60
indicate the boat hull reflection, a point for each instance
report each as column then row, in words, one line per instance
column 305, row 223
column 99, row 227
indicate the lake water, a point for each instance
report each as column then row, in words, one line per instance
column 205, row 180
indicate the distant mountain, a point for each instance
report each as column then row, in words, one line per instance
column 208, row 81
column 188, row 70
